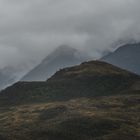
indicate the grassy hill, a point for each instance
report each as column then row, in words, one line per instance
column 89, row 79
column 91, row 101
column 100, row 118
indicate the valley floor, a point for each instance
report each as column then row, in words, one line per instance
column 101, row 118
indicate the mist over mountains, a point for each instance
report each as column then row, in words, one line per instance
column 69, row 70
column 126, row 56
column 63, row 56
column 6, row 79
column 31, row 30
column 10, row 75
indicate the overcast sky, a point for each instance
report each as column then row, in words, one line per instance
column 31, row 29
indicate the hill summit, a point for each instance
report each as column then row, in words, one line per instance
column 62, row 57
column 89, row 79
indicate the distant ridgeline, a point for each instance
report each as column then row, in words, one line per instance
column 63, row 56
column 126, row 57
column 90, row 79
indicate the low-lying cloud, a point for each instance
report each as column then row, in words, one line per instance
column 31, row 29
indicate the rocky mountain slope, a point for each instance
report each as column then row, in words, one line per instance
column 126, row 57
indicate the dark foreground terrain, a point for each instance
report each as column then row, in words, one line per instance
column 92, row 101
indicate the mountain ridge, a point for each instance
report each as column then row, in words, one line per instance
column 127, row 57
column 63, row 56
column 89, row 79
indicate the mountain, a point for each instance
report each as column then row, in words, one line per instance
column 93, row 100
column 11, row 74
column 89, row 79
column 4, row 80
column 6, row 77
column 63, row 56
column 126, row 57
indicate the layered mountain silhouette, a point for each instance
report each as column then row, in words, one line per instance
column 63, row 56
column 89, row 79
column 11, row 74
column 6, row 77
column 94, row 100
column 126, row 57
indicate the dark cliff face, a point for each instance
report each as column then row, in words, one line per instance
column 63, row 56
column 126, row 57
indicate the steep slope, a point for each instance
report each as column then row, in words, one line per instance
column 11, row 74
column 4, row 80
column 6, row 77
column 63, row 56
column 127, row 57
column 89, row 79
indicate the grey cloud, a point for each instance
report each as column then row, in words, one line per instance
column 30, row 29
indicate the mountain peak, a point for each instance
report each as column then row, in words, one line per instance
column 127, row 57
column 61, row 57
column 89, row 79
column 90, row 69
column 65, row 48
column 61, row 50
